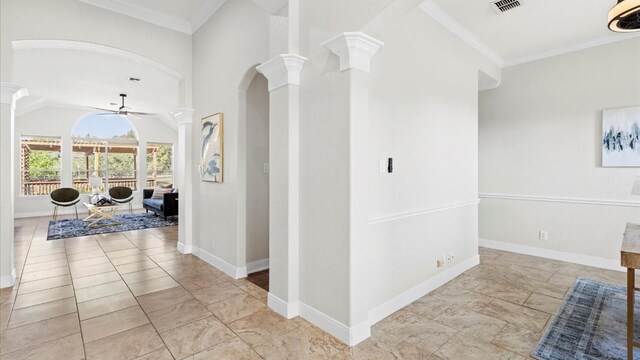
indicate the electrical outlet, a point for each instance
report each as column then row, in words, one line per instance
column 449, row 258
column 543, row 235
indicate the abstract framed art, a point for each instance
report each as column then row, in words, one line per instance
column 621, row 137
column 211, row 155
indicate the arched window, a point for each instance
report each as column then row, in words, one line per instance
column 105, row 146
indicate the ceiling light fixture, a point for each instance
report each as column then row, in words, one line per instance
column 625, row 16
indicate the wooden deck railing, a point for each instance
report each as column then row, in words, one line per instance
column 46, row 187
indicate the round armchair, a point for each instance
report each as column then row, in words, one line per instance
column 122, row 195
column 64, row 197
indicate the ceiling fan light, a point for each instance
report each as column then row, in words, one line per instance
column 625, row 16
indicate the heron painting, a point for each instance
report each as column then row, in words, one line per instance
column 211, row 160
column 621, row 137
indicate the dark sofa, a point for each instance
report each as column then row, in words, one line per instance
column 168, row 206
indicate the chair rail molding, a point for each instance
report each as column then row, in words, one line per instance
column 354, row 49
column 565, row 200
column 419, row 212
column 282, row 70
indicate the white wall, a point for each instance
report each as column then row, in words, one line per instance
column 540, row 137
column 59, row 121
column 225, row 52
column 257, row 185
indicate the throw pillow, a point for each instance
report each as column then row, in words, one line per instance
column 158, row 193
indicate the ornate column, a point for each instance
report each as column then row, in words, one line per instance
column 183, row 175
column 9, row 94
column 283, row 75
column 355, row 51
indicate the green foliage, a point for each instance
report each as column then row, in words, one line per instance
column 44, row 165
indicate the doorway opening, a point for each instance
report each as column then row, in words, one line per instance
column 257, row 181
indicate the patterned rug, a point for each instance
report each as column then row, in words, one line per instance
column 62, row 229
column 591, row 324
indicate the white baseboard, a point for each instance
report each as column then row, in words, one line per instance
column 348, row 335
column 8, row 280
column 283, row 308
column 380, row 312
column 184, row 248
column 594, row 261
column 231, row 270
column 256, row 266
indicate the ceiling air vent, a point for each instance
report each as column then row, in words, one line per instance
column 505, row 5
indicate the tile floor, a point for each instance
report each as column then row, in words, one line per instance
column 132, row 295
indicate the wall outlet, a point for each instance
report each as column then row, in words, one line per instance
column 543, row 235
column 449, row 258
column 439, row 263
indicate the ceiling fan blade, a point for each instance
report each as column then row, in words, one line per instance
column 106, row 114
column 141, row 113
column 107, row 110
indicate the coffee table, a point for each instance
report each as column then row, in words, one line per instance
column 100, row 216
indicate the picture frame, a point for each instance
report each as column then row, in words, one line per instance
column 212, row 148
column 621, row 137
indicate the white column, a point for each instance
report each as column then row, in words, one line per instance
column 183, row 175
column 9, row 94
column 283, row 75
column 355, row 51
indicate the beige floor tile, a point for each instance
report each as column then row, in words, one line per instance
column 44, row 274
column 106, row 305
column 562, row 280
column 41, row 312
column 44, row 284
column 516, row 314
column 516, row 339
column 428, row 306
column 544, row 303
column 236, row 307
column 217, row 292
column 165, row 298
column 178, row 314
column 34, row 252
column 203, row 280
column 128, row 344
column 91, row 270
column 259, row 328
column 129, row 259
column 154, row 285
column 43, row 296
column 305, row 342
column 503, row 290
column 234, row 349
column 45, row 265
column 196, row 336
column 112, row 323
column 469, row 299
column 137, row 266
column 99, row 291
column 66, row 348
column 162, row 354
column 143, row 275
column 74, row 265
column 471, row 322
column 407, row 326
column 94, row 280
column 159, row 250
column 40, row 332
column 97, row 253
column 120, row 253
column 465, row 347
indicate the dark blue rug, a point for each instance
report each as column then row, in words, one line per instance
column 62, row 229
column 591, row 324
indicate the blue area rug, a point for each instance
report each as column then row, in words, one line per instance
column 591, row 324
column 62, row 229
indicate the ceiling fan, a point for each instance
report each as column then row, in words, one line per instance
column 123, row 110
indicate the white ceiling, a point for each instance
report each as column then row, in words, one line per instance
column 537, row 29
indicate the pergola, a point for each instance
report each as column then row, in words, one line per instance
column 88, row 147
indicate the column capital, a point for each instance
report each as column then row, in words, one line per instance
column 354, row 49
column 183, row 116
column 282, row 70
column 10, row 93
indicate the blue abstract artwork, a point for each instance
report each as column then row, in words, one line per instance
column 211, row 160
column 621, row 137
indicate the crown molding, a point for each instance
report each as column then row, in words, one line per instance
column 95, row 48
column 282, row 70
column 204, row 13
column 355, row 50
column 455, row 27
column 10, row 93
column 572, row 48
column 143, row 13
